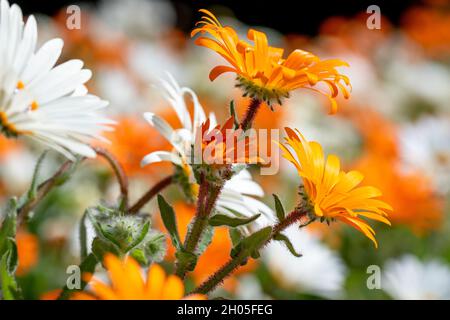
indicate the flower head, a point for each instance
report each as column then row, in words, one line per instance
column 47, row 103
column 237, row 196
column 127, row 283
column 219, row 145
column 331, row 192
column 261, row 69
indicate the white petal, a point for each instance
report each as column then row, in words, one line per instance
column 159, row 156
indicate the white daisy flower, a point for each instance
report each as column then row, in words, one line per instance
column 47, row 103
column 320, row 271
column 425, row 146
column 238, row 196
column 408, row 278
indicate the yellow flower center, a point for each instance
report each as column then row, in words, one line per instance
column 8, row 127
column 20, row 85
column 34, row 105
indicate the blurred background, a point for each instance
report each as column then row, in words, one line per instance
column 395, row 129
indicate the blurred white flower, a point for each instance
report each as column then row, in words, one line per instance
column 49, row 104
column 319, row 271
column 425, row 146
column 249, row 288
column 16, row 170
column 408, row 278
column 336, row 134
column 434, row 78
column 238, row 194
column 139, row 18
column 151, row 60
column 127, row 99
column 366, row 86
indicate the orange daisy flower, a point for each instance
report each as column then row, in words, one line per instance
column 331, row 192
column 261, row 69
column 128, row 283
column 220, row 145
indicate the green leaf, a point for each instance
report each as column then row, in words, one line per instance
column 234, row 114
column 288, row 243
column 8, row 264
column 83, row 236
column 256, row 240
column 31, row 194
column 255, row 254
column 169, row 220
column 139, row 256
column 141, row 236
column 279, row 208
column 152, row 249
column 8, row 227
column 235, row 236
column 224, row 220
column 252, row 243
column 107, row 237
column 156, row 247
column 100, row 247
column 205, row 240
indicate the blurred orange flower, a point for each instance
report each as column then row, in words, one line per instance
column 127, row 283
column 430, row 28
column 342, row 34
column 51, row 295
column 262, row 71
column 379, row 135
column 333, row 193
column 27, row 251
column 8, row 145
column 410, row 193
column 131, row 140
column 217, row 254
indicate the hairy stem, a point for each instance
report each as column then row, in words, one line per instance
column 118, row 171
column 153, row 191
column 227, row 269
column 219, row 276
column 250, row 115
column 207, row 197
column 43, row 189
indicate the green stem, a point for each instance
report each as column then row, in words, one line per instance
column 228, row 268
column 207, row 197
